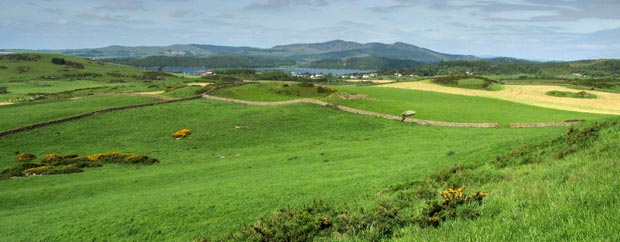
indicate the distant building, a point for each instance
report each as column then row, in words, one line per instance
column 208, row 73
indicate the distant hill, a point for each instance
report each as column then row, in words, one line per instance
column 519, row 69
column 220, row 61
column 297, row 52
column 364, row 63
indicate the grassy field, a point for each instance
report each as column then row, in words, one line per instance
column 223, row 177
column 535, row 95
column 572, row 198
column 272, row 91
column 428, row 105
column 242, row 164
column 28, row 76
column 18, row 115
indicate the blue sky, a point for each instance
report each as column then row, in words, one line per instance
column 532, row 29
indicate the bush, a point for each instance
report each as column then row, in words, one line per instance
column 25, row 157
column 290, row 224
column 74, row 65
column 52, row 159
column 327, row 90
column 181, row 133
column 41, row 170
column 22, row 57
column 55, row 164
column 68, row 170
column 58, row 61
column 455, row 204
column 23, row 69
column 3, row 90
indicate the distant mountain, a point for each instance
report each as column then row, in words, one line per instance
column 364, row 63
column 297, row 52
column 220, row 61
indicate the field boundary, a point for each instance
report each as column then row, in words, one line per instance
column 355, row 111
column 106, row 110
column 542, row 125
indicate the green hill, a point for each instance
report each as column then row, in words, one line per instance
column 294, row 172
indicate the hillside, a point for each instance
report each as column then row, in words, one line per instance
column 33, row 78
column 364, row 63
column 234, row 61
column 518, row 69
column 298, row 52
column 140, row 156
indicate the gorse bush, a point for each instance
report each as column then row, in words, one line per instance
column 181, row 133
column 56, row 164
column 455, row 204
column 25, row 157
column 326, row 90
column 320, row 220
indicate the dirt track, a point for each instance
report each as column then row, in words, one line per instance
column 606, row 103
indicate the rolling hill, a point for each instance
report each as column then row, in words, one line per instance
column 298, row 52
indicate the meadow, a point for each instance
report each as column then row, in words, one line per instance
column 243, row 166
column 223, row 177
column 428, row 105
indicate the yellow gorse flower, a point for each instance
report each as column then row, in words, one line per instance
column 181, row 133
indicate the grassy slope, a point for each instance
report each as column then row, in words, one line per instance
column 287, row 156
column 569, row 199
column 270, row 92
column 428, row 105
column 18, row 115
column 117, row 78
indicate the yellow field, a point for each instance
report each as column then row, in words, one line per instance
column 373, row 81
column 202, row 84
column 606, row 103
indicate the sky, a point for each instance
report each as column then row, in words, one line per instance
column 529, row 29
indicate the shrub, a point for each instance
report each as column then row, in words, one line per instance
column 74, row 65
column 22, row 57
column 58, row 61
column 305, row 84
column 23, row 69
column 327, row 90
column 454, row 204
column 68, row 170
column 181, row 133
column 139, row 159
column 290, row 224
column 3, row 90
column 25, row 157
column 52, row 159
column 41, row 170
column 4, row 67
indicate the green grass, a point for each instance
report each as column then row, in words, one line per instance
column 469, row 82
column 282, row 156
column 18, row 115
column 582, row 94
column 242, row 163
column 272, row 91
column 57, row 82
column 570, row 199
column 428, row 105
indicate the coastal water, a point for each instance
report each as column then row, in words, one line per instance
column 295, row 70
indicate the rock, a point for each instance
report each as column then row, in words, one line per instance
column 408, row 113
